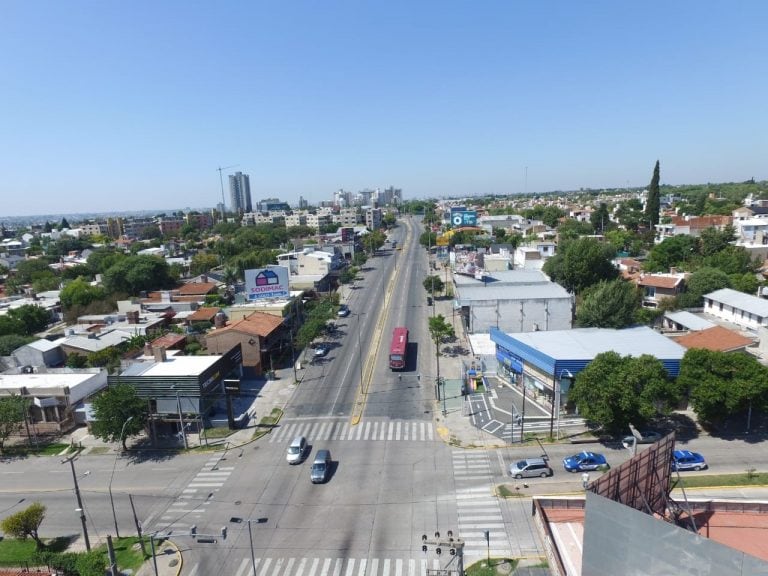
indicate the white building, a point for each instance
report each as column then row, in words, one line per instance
column 737, row 307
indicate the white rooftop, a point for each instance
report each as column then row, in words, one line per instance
column 173, row 366
column 689, row 320
column 501, row 292
column 586, row 343
column 740, row 301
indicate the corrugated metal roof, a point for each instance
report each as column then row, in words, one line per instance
column 740, row 301
column 503, row 278
column 546, row 290
column 689, row 320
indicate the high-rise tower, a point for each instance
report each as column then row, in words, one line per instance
column 240, row 192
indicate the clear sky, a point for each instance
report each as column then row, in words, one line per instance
column 113, row 105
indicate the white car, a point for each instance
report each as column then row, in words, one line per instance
column 321, row 350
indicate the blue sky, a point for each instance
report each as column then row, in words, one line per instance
column 110, row 106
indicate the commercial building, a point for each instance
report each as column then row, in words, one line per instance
column 240, row 192
column 546, row 363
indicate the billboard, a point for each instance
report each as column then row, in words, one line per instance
column 463, row 218
column 265, row 283
column 347, row 234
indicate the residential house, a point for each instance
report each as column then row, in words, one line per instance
column 716, row 338
column 737, row 307
column 260, row 335
column 657, row 287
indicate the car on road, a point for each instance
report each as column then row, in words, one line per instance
column 297, row 450
column 687, row 460
column 320, row 467
column 343, row 311
column 530, row 468
column 584, row 461
column 646, row 437
column 321, row 350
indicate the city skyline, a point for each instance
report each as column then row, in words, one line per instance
column 111, row 107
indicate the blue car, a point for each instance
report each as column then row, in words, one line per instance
column 584, row 461
column 687, row 460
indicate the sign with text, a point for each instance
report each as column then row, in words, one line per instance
column 465, row 218
column 267, row 283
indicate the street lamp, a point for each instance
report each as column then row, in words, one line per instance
column 181, row 417
column 79, row 508
column 114, row 465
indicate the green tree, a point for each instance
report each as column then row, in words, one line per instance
column 732, row 260
column 433, row 284
column 79, row 292
column 26, row 523
column 31, row 318
column 611, row 304
column 583, row 262
column 102, row 260
column 439, row 330
column 630, row 214
column 115, row 407
column 676, row 251
column 723, row 384
column 701, row 282
column 712, row 240
column 12, row 411
column 27, row 271
column 614, row 392
column 571, row 229
column 11, row 342
column 203, row 262
column 653, row 204
column 135, row 274
column 601, row 219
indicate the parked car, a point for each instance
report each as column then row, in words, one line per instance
column 297, row 450
column 530, row 468
column 646, row 437
column 343, row 311
column 321, row 350
column 584, row 461
column 320, row 467
column 687, row 460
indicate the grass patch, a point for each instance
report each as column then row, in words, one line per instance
column 15, row 552
column 497, row 566
column 748, row 478
column 128, row 555
column 216, row 433
column 266, row 423
column 506, row 492
column 100, row 450
column 49, row 449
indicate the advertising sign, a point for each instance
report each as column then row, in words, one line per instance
column 265, row 283
column 347, row 234
column 465, row 218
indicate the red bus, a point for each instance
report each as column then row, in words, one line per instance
column 398, row 350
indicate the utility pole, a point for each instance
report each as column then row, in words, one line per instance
column 80, row 508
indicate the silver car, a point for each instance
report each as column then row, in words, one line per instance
column 530, row 468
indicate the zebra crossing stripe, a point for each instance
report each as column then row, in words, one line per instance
column 243, row 565
column 385, row 567
column 337, row 567
column 326, row 567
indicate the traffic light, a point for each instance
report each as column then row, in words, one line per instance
column 453, row 551
column 438, row 551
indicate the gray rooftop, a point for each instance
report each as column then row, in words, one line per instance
column 586, row 343
column 102, row 341
column 503, row 278
column 740, row 301
column 502, row 293
column 689, row 320
column 43, row 345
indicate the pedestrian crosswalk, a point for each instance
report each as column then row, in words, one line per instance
column 192, row 503
column 478, row 509
column 331, row 567
column 379, row 430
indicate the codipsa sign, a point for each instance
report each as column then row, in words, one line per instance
column 267, row 283
column 462, row 217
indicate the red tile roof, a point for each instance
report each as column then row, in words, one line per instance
column 701, row 222
column 668, row 282
column 204, row 314
column 197, row 288
column 169, row 340
column 716, row 338
column 258, row 323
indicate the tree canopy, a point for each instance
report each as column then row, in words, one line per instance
column 25, row 523
column 653, row 203
column 116, row 406
column 582, row 263
column 614, row 392
column 12, row 410
column 723, row 384
column 135, row 274
column 610, row 304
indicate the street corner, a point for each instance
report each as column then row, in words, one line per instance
column 168, row 558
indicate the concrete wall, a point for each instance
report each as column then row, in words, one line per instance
column 621, row 540
column 520, row 315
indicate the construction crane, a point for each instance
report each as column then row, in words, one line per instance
column 221, row 181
